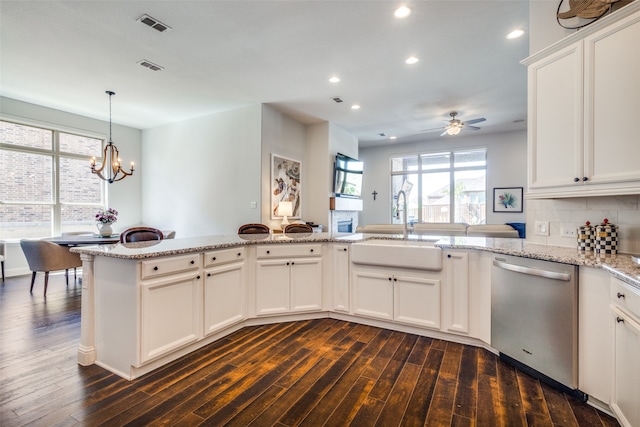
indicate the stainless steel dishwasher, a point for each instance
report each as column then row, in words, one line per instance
column 534, row 318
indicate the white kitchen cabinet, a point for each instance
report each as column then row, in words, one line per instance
column 594, row 331
column 288, row 279
column 340, row 277
column 397, row 294
column 416, row 299
column 580, row 98
column 625, row 317
column 169, row 314
column 224, row 288
column 455, row 294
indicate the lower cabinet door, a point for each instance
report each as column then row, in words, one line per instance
column 372, row 294
column 417, row 300
column 626, row 369
column 306, row 284
column 170, row 314
column 272, row 286
column 223, row 297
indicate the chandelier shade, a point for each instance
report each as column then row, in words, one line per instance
column 110, row 158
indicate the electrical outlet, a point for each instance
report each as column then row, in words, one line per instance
column 567, row 232
column 254, row 205
column 542, row 228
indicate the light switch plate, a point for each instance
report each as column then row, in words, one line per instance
column 542, row 228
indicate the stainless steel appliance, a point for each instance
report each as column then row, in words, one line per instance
column 534, row 318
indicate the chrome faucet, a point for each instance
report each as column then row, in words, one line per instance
column 405, row 231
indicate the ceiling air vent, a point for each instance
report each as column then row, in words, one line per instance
column 154, row 23
column 151, row 65
column 337, row 99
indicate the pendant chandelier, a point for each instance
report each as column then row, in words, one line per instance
column 110, row 156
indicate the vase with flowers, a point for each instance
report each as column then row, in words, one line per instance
column 104, row 219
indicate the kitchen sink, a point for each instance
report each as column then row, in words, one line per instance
column 417, row 254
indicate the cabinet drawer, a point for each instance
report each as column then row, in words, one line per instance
column 626, row 297
column 170, row 265
column 287, row 250
column 223, row 256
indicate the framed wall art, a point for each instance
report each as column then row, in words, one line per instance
column 507, row 199
column 285, row 185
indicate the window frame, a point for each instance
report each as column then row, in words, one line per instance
column 420, row 171
column 56, row 154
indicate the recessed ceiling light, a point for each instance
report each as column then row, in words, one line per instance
column 334, row 79
column 515, row 34
column 355, row 107
column 393, row 137
column 402, row 12
column 411, row 60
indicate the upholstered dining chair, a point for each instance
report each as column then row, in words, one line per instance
column 47, row 256
column 2, row 258
column 254, row 229
column 298, row 228
column 140, row 234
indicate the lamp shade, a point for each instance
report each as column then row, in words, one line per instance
column 285, row 209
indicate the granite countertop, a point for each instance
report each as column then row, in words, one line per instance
column 621, row 265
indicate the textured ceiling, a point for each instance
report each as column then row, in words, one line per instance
column 221, row 55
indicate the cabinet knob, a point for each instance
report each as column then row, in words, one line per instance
column 192, row 262
column 213, row 259
column 576, row 179
column 268, row 251
column 620, row 295
column 288, row 263
column 448, row 255
column 584, row 178
column 155, row 268
column 390, row 279
column 208, row 274
column 239, row 254
column 311, row 250
column 395, row 280
column 619, row 319
column 292, row 263
column 344, row 249
column 198, row 277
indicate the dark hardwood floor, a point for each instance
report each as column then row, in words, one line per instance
column 312, row 373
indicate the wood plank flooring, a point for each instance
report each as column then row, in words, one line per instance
column 311, row 373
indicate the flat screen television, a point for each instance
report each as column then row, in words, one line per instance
column 347, row 178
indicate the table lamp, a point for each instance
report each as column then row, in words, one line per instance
column 285, row 209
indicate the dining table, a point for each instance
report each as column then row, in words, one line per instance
column 84, row 239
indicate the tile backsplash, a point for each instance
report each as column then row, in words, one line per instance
column 623, row 211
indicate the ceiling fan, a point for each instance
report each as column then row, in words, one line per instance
column 454, row 126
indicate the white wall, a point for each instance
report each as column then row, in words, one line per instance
column 506, row 167
column 201, row 175
column 315, row 145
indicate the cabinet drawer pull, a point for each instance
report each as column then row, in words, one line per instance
column 620, row 295
column 584, row 178
column 576, row 179
column 619, row 319
column 155, row 268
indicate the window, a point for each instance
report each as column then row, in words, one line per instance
column 47, row 187
column 441, row 187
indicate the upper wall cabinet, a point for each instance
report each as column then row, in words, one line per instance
column 584, row 98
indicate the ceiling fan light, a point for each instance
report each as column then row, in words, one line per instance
column 453, row 130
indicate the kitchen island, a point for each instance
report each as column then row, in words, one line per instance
column 145, row 304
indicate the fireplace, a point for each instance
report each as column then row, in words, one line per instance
column 345, row 225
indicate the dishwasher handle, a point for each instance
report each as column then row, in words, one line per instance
column 532, row 271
